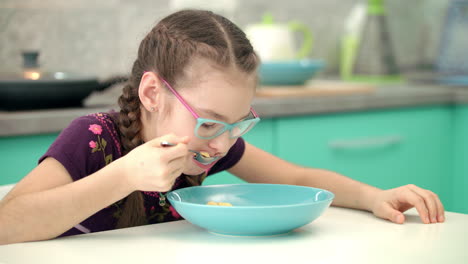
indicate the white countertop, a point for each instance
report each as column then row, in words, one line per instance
column 338, row 236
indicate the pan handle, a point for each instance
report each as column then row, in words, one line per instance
column 106, row 83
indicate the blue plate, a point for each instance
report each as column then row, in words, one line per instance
column 294, row 72
column 257, row 209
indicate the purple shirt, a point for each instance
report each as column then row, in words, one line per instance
column 91, row 142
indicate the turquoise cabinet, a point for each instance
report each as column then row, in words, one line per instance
column 460, row 159
column 262, row 137
column 426, row 146
column 19, row 155
column 386, row 148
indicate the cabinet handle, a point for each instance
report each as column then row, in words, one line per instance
column 365, row 142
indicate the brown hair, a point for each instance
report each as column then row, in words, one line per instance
column 166, row 50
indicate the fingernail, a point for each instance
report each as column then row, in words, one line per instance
column 399, row 219
column 441, row 218
column 434, row 220
column 426, row 220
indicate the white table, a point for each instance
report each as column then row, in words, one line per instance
column 338, row 236
column 4, row 189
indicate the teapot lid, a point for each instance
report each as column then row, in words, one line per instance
column 267, row 19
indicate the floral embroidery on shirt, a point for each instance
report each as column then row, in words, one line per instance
column 108, row 123
column 100, row 144
column 96, row 129
column 92, row 144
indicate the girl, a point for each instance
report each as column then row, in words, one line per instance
column 191, row 87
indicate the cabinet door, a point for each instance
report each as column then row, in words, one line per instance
column 261, row 136
column 382, row 148
column 460, row 160
column 19, row 155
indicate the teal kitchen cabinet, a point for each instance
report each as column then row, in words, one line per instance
column 19, row 155
column 386, row 148
column 460, row 159
column 262, row 137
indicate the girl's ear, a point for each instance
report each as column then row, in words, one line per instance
column 149, row 91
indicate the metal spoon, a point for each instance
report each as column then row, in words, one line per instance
column 197, row 155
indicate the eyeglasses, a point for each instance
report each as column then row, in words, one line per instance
column 209, row 128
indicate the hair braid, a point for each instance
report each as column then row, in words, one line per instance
column 129, row 124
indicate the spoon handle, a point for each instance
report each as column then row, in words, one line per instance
column 166, row 144
column 170, row 144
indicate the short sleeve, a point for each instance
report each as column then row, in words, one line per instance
column 232, row 157
column 86, row 145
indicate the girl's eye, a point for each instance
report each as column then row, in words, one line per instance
column 208, row 125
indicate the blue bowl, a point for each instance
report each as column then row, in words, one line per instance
column 456, row 80
column 294, row 72
column 257, row 209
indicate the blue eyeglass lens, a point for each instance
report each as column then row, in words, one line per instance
column 213, row 129
column 209, row 129
column 242, row 128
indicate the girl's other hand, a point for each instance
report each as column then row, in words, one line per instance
column 390, row 204
column 152, row 167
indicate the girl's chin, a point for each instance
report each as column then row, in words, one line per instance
column 195, row 167
column 193, row 170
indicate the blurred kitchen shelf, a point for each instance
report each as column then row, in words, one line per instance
column 316, row 88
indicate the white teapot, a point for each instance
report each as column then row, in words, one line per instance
column 276, row 42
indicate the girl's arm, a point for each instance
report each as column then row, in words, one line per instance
column 259, row 166
column 46, row 203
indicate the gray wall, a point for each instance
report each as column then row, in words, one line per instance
column 101, row 37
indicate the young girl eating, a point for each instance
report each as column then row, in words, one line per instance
column 182, row 116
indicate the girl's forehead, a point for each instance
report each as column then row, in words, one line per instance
column 205, row 77
column 219, row 93
column 200, row 71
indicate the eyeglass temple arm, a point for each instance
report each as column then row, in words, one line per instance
column 253, row 112
column 180, row 98
column 186, row 105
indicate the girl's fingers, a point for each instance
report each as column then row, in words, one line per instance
column 441, row 211
column 387, row 211
column 176, row 164
column 414, row 199
column 177, row 171
column 175, row 152
column 169, row 138
column 433, row 204
column 175, row 147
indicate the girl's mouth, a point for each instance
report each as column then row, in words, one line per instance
column 202, row 159
column 205, row 167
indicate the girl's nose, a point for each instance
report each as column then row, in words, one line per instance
column 221, row 143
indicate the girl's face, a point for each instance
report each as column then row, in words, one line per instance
column 213, row 93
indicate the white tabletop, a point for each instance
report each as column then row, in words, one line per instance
column 338, row 236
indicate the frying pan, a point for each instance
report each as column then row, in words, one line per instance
column 58, row 90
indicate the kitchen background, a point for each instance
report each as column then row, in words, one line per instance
column 101, row 37
column 387, row 136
